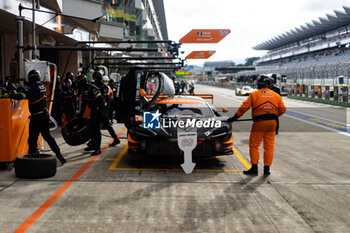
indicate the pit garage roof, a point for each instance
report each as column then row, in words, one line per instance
column 8, row 25
column 316, row 27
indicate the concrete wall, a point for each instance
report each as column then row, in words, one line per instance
column 73, row 62
column 111, row 30
column 8, row 50
column 82, row 8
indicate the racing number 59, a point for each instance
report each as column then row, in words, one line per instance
column 224, row 32
column 187, row 142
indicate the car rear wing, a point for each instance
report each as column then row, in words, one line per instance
column 203, row 96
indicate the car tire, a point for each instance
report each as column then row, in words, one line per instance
column 34, row 166
column 76, row 131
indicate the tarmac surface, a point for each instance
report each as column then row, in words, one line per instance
column 308, row 189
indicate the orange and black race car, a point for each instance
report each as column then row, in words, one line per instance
column 153, row 116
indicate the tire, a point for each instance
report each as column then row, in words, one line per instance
column 76, row 131
column 34, row 166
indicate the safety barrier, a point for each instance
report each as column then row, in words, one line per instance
column 330, row 102
column 14, row 129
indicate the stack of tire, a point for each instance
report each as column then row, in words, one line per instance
column 34, row 166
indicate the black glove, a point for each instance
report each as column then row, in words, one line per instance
column 232, row 119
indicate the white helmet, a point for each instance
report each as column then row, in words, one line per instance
column 105, row 79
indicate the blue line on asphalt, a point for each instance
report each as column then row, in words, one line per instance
column 333, row 125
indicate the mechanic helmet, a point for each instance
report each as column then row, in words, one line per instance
column 70, row 76
column 263, row 81
column 82, row 81
column 105, row 79
column 111, row 82
column 97, row 76
column 34, row 76
column 67, row 82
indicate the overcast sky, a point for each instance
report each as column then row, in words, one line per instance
column 250, row 21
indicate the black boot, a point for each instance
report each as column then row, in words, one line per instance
column 61, row 159
column 96, row 152
column 89, row 148
column 266, row 170
column 252, row 171
column 115, row 142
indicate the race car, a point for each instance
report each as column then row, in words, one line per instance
column 214, row 139
column 214, row 133
column 245, row 90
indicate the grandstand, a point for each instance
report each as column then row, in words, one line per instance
column 310, row 62
column 315, row 53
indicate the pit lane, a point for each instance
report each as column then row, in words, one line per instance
column 120, row 192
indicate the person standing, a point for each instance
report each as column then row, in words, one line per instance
column 91, row 97
column 39, row 118
column 109, row 100
column 266, row 106
column 69, row 99
column 105, row 92
column 113, row 105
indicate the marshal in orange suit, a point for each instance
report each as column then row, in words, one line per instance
column 266, row 106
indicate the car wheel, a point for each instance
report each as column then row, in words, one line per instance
column 34, row 166
column 76, row 131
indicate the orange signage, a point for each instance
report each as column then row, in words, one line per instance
column 59, row 24
column 200, row 54
column 205, row 36
column 318, row 90
column 299, row 89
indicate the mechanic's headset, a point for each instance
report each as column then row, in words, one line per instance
column 160, row 87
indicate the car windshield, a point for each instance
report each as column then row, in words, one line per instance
column 246, row 88
column 195, row 110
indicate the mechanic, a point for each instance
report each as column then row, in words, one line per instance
column 266, row 106
column 273, row 87
column 109, row 100
column 105, row 92
column 92, row 97
column 7, row 88
column 69, row 99
column 56, row 111
column 39, row 118
column 70, row 75
column 114, row 86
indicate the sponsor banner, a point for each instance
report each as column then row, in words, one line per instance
column 205, row 36
column 200, row 54
column 181, row 73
